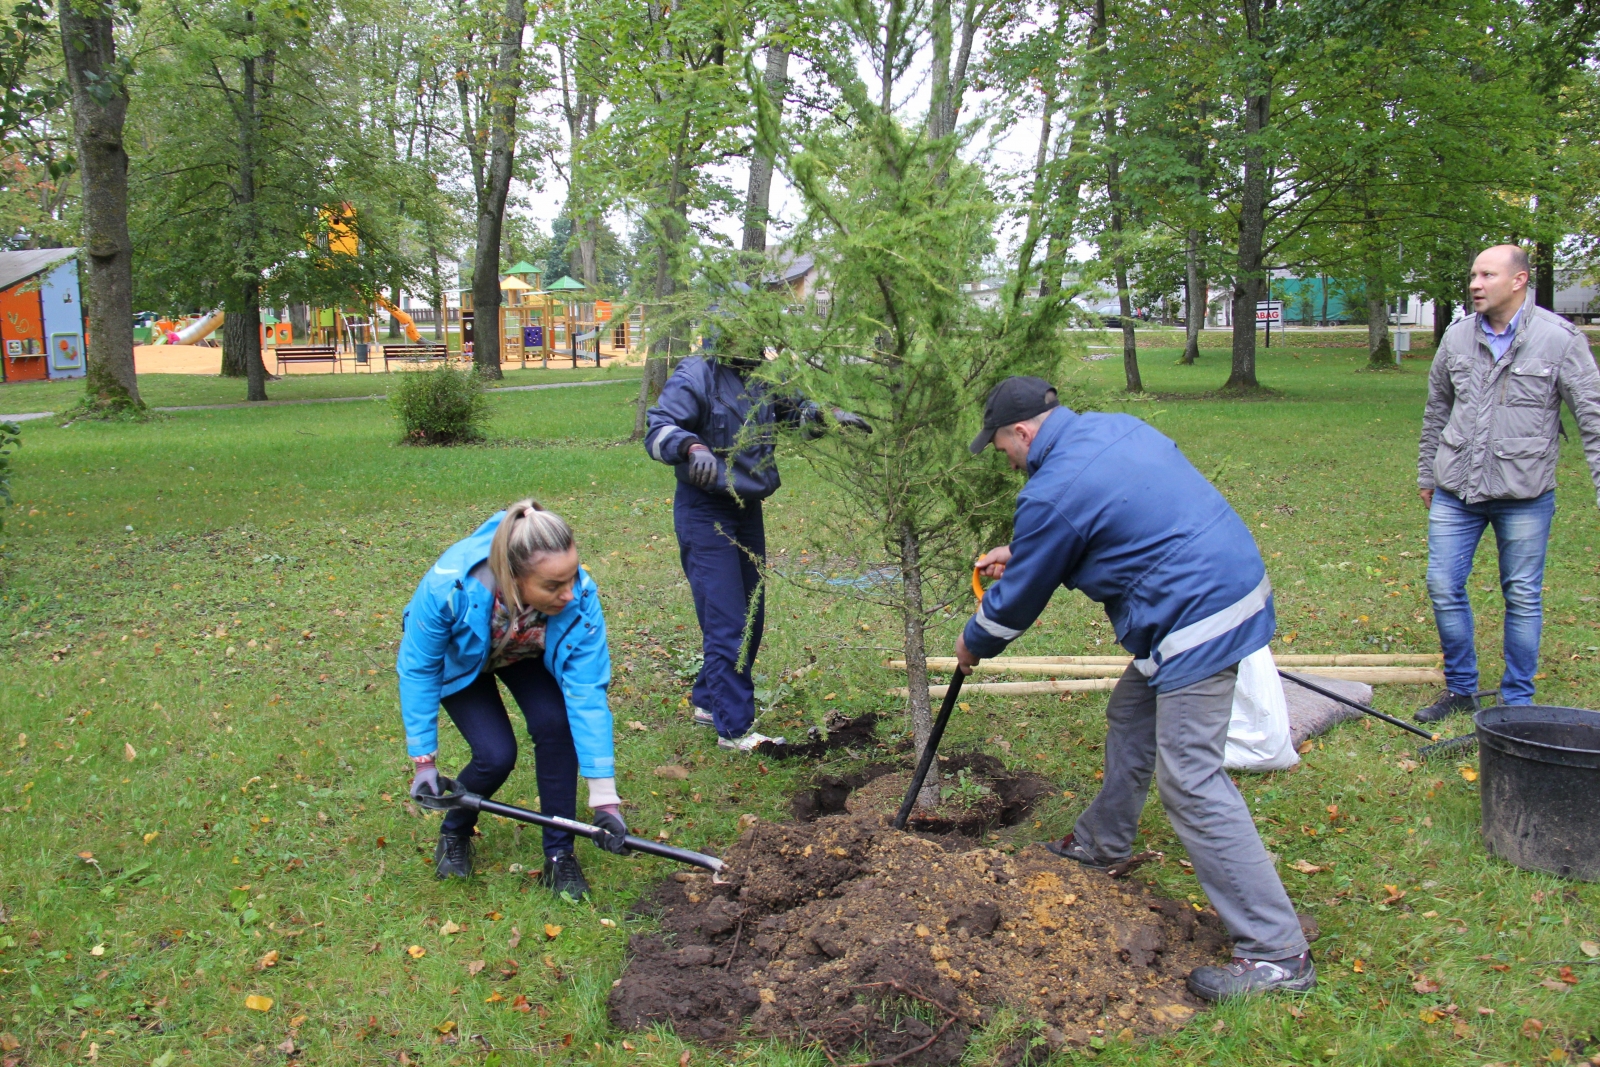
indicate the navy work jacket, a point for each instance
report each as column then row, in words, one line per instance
column 709, row 402
column 1114, row 509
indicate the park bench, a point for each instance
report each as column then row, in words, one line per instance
column 414, row 352
column 306, row 354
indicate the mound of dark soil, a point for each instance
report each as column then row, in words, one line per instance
column 843, row 732
column 883, row 944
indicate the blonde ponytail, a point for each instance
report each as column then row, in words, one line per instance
column 527, row 532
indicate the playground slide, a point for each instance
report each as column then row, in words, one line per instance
column 412, row 334
column 199, row 328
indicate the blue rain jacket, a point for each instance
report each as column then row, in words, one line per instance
column 445, row 645
column 1114, row 509
column 706, row 401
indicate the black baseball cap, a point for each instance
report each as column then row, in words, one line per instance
column 1017, row 399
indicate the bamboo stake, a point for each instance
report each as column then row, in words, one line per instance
column 1370, row 675
column 1020, row 663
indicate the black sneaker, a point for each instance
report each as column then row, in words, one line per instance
column 1448, row 704
column 564, row 877
column 1068, row 849
column 1240, row 977
column 452, row 856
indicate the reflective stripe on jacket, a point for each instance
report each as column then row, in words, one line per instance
column 1113, row 509
column 1490, row 430
column 445, row 645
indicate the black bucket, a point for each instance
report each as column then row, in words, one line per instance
column 1539, row 770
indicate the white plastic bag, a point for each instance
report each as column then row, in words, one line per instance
column 1258, row 732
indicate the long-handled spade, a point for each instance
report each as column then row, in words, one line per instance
column 930, row 750
column 453, row 796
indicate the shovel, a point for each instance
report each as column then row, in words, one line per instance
column 454, row 797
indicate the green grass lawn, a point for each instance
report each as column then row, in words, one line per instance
column 178, row 390
column 202, row 779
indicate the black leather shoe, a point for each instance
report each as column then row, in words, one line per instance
column 1241, row 977
column 1447, row 705
column 452, row 856
column 564, row 877
column 1068, row 849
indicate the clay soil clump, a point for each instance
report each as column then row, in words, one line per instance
column 884, row 945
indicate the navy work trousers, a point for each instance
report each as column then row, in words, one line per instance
column 480, row 715
column 722, row 545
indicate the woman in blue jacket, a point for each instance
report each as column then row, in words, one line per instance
column 511, row 603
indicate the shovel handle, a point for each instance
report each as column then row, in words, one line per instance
column 932, row 749
column 977, row 585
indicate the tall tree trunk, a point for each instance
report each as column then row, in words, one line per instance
column 1380, row 353
column 248, row 313
column 300, row 322
column 1119, row 266
column 1322, row 280
column 1068, row 196
column 1249, row 271
column 1194, row 297
column 1442, row 310
column 669, row 236
column 505, row 87
column 255, row 369
column 1544, row 275
column 99, row 110
column 914, row 618
column 758, row 198
column 394, row 298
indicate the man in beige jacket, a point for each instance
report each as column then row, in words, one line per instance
column 1488, row 457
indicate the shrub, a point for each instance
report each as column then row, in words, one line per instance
column 10, row 437
column 443, row 406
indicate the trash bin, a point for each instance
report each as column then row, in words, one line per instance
column 362, row 348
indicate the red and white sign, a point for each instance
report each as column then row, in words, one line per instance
column 1269, row 311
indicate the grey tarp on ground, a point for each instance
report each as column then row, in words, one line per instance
column 1311, row 713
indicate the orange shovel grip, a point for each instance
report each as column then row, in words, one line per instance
column 977, row 585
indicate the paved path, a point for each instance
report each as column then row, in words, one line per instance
column 29, row 416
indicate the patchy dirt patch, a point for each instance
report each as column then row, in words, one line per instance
column 843, row 733
column 881, row 944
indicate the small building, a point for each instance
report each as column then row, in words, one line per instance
column 41, row 315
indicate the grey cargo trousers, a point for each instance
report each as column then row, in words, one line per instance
column 1179, row 735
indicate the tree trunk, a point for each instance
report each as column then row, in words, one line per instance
column 1380, row 353
column 914, row 618
column 502, row 108
column 99, row 110
column 300, row 322
column 1194, row 297
column 394, row 298
column 1544, row 275
column 233, row 344
column 1252, row 210
column 1442, row 310
column 758, row 198
column 1322, row 280
column 247, row 317
column 671, row 233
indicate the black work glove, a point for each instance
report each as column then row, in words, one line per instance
column 702, row 468
column 426, row 780
column 613, row 834
column 850, row 420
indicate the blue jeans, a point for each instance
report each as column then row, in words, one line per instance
column 480, row 715
column 721, row 545
column 1521, row 533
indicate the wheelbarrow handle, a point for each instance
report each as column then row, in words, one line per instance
column 932, row 748
column 1374, row 712
column 472, row 801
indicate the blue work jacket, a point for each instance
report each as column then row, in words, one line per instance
column 445, row 645
column 1114, row 509
column 708, row 402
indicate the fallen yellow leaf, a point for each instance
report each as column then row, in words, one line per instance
column 416, row 952
column 98, row 950
column 151, row 836
column 1469, row 773
column 1359, row 966
column 128, row 752
column 445, row 1027
column 552, row 931
column 1589, row 948
column 493, row 998
column 608, row 922
column 1307, row 868
column 269, row 960
column 294, row 1024
column 450, row 927
column 256, row 1002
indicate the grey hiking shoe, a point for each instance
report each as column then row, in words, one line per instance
column 1068, row 849
column 452, row 856
column 1241, row 977
column 564, row 877
column 1447, row 705
column 702, row 717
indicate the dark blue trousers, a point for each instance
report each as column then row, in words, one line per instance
column 480, row 715
column 716, row 541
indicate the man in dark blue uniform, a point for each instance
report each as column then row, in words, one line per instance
column 714, row 425
column 1114, row 509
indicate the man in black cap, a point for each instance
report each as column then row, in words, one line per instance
column 1114, row 509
